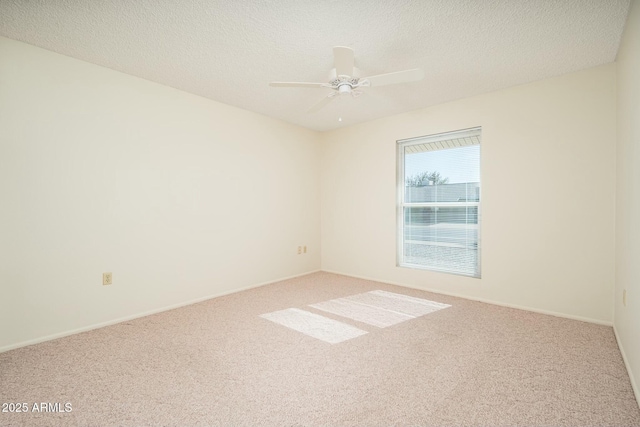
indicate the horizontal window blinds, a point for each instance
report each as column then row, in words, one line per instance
column 439, row 202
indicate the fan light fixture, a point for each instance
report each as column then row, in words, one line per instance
column 344, row 89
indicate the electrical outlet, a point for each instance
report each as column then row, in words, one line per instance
column 299, row 250
column 304, row 250
column 107, row 278
column 624, row 297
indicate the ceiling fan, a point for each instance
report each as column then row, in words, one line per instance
column 345, row 78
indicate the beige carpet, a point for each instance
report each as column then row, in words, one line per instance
column 218, row 363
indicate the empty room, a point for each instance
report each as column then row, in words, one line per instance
column 320, row 213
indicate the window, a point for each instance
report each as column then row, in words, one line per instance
column 439, row 202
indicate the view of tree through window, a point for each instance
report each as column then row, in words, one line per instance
column 440, row 203
column 426, row 178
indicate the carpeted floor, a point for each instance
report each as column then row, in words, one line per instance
column 218, row 363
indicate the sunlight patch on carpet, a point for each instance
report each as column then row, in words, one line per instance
column 314, row 325
column 380, row 308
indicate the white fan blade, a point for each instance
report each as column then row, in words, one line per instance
column 397, row 77
column 343, row 60
column 327, row 99
column 296, row 84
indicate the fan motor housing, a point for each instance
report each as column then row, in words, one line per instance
column 333, row 76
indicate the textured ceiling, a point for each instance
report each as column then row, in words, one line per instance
column 230, row 50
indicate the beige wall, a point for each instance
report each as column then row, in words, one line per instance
column 627, row 318
column 548, row 177
column 180, row 197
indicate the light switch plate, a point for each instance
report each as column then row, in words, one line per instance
column 107, row 278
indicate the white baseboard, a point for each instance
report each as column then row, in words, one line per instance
column 484, row 300
column 143, row 314
column 634, row 386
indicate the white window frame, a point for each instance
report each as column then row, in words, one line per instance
column 401, row 204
